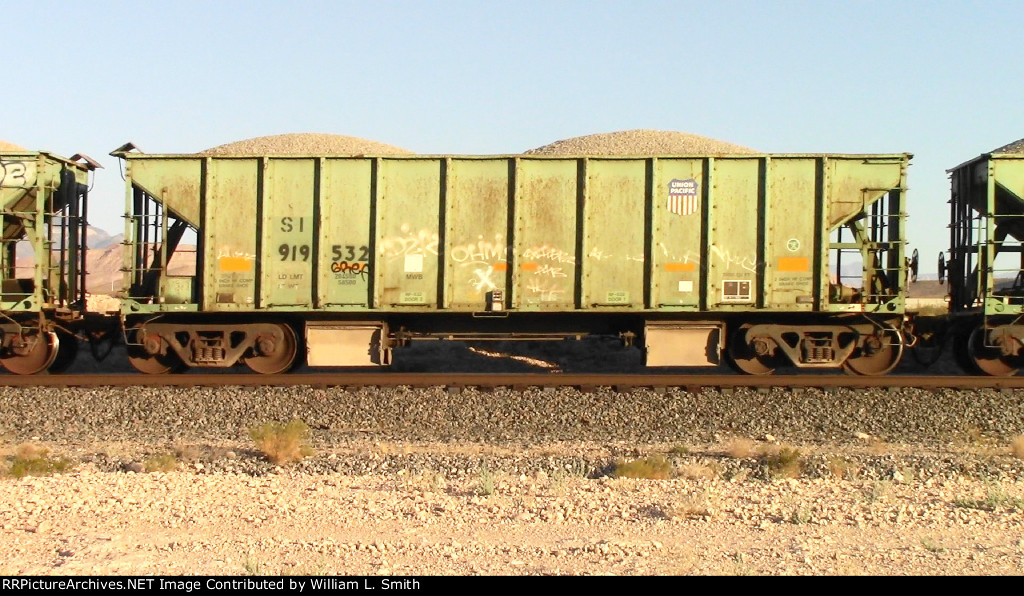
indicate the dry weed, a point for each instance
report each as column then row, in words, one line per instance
column 164, row 462
column 1017, row 447
column 187, row 452
column 741, row 448
column 282, row 443
column 782, row 461
column 655, row 467
column 486, row 483
column 696, row 472
column 878, row 490
column 35, row 460
column 430, row 481
column 842, row 468
column 692, row 505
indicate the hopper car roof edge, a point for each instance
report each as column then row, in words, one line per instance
column 78, row 160
column 516, row 155
column 985, row 156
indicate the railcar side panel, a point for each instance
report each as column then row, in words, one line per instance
column 289, row 219
column 230, row 228
column 789, row 246
column 409, row 224
column 614, row 234
column 345, row 237
column 476, row 234
column 732, row 250
column 544, row 245
column 678, row 206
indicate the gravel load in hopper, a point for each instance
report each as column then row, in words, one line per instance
column 1014, row 147
column 306, row 144
column 640, row 142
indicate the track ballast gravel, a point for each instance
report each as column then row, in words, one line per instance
column 518, row 427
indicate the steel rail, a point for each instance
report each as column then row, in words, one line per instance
column 619, row 382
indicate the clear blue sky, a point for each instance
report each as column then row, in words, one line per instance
column 942, row 80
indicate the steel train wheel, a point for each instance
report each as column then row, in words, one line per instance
column 988, row 360
column 745, row 358
column 152, row 364
column 882, row 359
column 158, row 364
column 32, row 354
column 274, row 353
column 67, row 351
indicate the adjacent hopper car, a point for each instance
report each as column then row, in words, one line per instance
column 756, row 260
column 985, row 269
column 43, row 214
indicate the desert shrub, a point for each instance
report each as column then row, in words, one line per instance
column 782, row 461
column 1017, row 447
column 35, row 460
column 282, row 443
column 696, row 504
column 741, row 448
column 163, row 462
column 486, row 482
column 679, row 450
column 656, row 467
column 996, row 497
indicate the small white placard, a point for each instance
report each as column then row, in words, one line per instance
column 686, row 286
column 414, row 263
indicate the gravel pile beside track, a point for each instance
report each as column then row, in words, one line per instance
column 639, row 142
column 306, row 144
column 1014, row 147
column 5, row 146
column 518, row 427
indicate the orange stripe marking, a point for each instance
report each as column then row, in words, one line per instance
column 794, row 264
column 234, row 264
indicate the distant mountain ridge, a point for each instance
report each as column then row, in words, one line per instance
column 97, row 238
column 104, row 260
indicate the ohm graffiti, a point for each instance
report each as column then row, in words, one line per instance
column 480, row 258
column 481, row 251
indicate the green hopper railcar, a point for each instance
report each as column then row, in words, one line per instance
column 43, row 209
column 762, row 260
column 985, row 269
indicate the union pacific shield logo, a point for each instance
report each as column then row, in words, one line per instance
column 683, row 198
